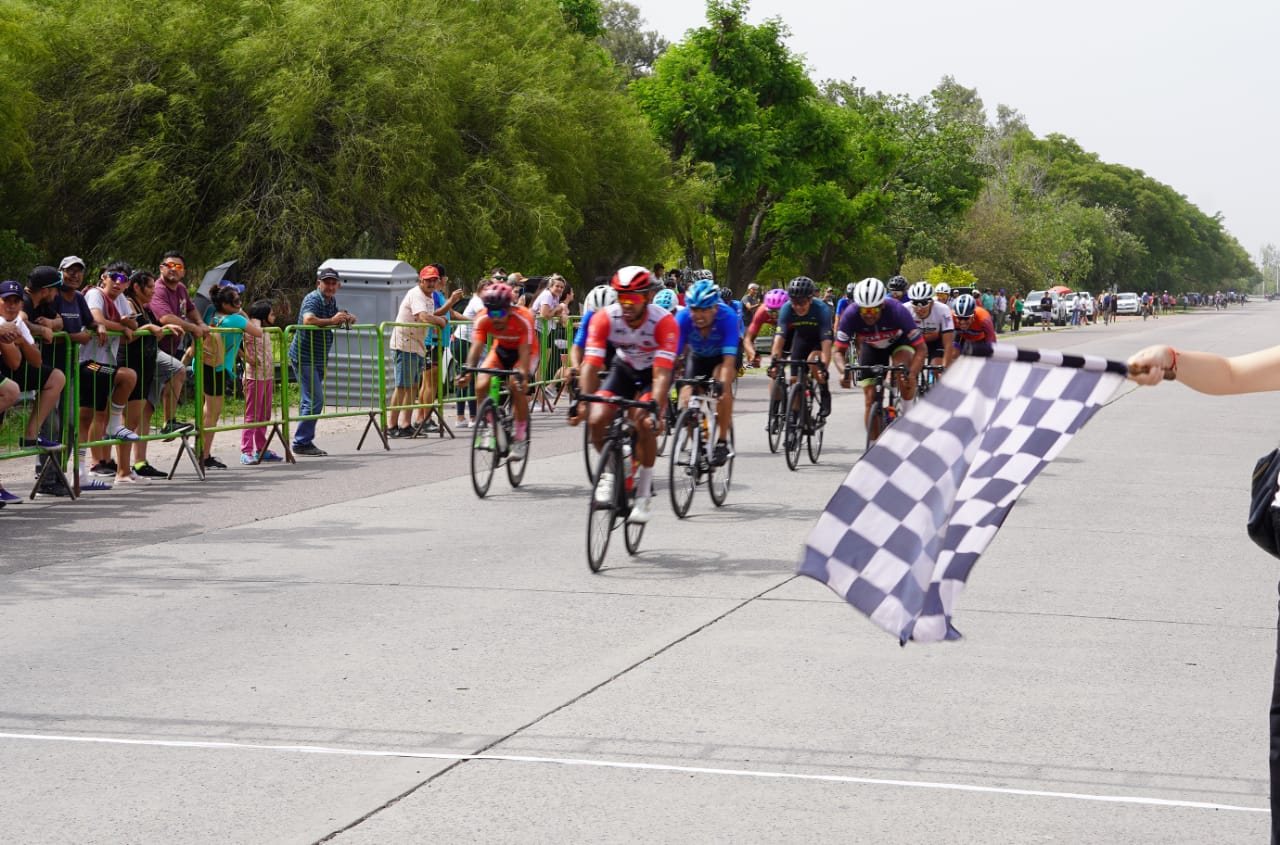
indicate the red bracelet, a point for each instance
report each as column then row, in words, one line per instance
column 1171, row 372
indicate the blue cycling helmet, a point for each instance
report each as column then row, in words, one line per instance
column 964, row 306
column 666, row 298
column 703, row 294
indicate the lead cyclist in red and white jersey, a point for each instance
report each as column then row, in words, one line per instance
column 645, row 339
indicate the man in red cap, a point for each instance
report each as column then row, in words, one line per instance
column 408, row 348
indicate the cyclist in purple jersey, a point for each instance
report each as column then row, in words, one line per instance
column 885, row 333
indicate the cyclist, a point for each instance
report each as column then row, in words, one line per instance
column 710, row 345
column 934, row 320
column 515, row 347
column 804, row 328
column 726, row 296
column 942, row 293
column 766, row 314
column 885, row 333
column 845, row 300
column 667, row 300
column 645, row 338
column 974, row 328
column 898, row 288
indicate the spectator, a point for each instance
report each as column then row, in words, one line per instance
column 408, row 348
column 145, row 357
column 103, row 384
column 22, row 366
column 218, row 360
column 1016, row 313
column 461, row 347
column 751, row 302
column 1077, row 310
column 1001, row 310
column 435, row 340
column 172, row 306
column 551, row 316
column 309, row 354
column 259, row 384
column 8, row 398
column 39, row 312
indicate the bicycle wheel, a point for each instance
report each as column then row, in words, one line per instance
column 815, row 425
column 631, row 534
column 721, row 476
column 685, row 451
column 794, row 433
column 484, row 448
column 589, row 454
column 875, row 423
column 602, row 515
column 516, row 466
column 776, row 420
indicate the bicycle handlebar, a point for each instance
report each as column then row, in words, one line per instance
column 648, row 405
column 876, row 369
column 816, row 362
column 494, row 371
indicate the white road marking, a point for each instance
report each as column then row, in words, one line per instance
column 617, row 764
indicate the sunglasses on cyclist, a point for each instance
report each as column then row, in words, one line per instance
column 870, row 312
column 174, row 265
column 632, row 298
column 497, row 313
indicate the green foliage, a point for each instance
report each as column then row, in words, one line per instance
column 465, row 133
column 957, row 277
column 634, row 49
column 584, row 16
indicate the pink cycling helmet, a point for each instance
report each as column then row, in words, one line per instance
column 775, row 299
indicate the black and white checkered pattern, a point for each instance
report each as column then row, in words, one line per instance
column 901, row 535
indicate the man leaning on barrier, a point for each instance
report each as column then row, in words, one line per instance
column 309, row 354
column 171, row 304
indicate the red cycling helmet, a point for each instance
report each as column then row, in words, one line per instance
column 498, row 295
column 632, row 280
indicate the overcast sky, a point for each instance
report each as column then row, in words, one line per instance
column 1187, row 92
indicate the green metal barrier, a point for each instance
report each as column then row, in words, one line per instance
column 18, row 418
column 350, row 377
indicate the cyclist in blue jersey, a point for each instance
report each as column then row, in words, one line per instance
column 845, row 300
column 885, row 332
column 600, row 297
column 710, row 344
column 804, row 328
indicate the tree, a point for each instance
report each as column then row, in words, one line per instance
column 633, row 48
column 732, row 95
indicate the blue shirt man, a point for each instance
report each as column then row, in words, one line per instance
column 309, row 352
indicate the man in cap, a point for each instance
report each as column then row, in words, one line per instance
column 309, row 354
column 408, row 348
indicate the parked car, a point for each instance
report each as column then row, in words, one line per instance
column 1127, row 303
column 1031, row 311
column 1067, row 304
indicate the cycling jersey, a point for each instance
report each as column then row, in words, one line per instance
column 895, row 327
column 981, row 330
column 937, row 321
column 721, row 339
column 841, row 305
column 760, row 318
column 518, row 330
column 810, row 329
column 653, row 344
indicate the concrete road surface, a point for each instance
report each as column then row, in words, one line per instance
column 358, row 650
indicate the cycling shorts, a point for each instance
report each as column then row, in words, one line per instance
column 869, row 356
column 628, row 383
column 698, row 366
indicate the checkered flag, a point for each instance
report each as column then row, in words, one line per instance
column 901, row 535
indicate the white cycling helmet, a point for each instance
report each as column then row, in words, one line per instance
column 869, row 293
column 601, row 296
column 921, row 293
column 942, row 288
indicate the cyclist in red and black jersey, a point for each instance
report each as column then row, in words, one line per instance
column 645, row 339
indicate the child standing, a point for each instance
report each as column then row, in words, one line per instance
column 259, row 385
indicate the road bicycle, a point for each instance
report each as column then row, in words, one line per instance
column 693, row 452
column 668, row 421
column 927, row 378
column 618, row 458
column 804, row 420
column 887, row 401
column 494, row 434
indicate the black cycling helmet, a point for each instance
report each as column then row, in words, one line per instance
column 726, row 294
column 897, row 283
column 802, row 287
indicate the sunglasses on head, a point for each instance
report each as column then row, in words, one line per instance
column 174, row 265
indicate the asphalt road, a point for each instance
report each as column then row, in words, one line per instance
column 357, row 650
